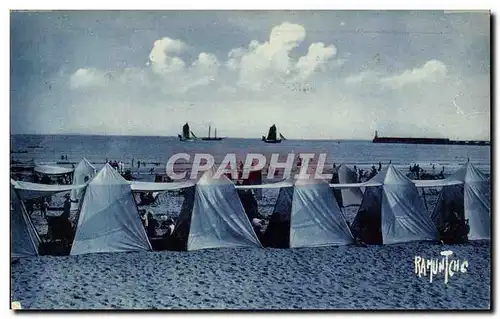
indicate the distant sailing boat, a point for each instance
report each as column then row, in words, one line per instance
column 187, row 134
column 272, row 136
column 209, row 138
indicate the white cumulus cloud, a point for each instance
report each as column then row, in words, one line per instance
column 164, row 55
column 432, row 71
column 87, row 77
column 317, row 56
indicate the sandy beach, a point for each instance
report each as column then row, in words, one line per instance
column 374, row 277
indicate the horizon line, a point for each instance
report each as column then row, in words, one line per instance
column 175, row 136
column 228, row 137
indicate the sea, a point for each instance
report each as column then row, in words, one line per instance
column 155, row 151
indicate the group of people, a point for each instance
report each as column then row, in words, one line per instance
column 151, row 224
column 119, row 166
column 455, row 229
column 65, row 179
column 254, row 177
column 367, row 228
column 365, row 175
column 59, row 227
column 146, row 198
column 138, row 164
column 41, row 203
column 416, row 172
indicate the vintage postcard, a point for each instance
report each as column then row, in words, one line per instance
column 250, row 160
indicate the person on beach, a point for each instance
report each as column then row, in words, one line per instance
column 170, row 227
column 65, row 223
column 29, row 206
column 360, row 176
column 228, row 167
column 258, row 226
column 249, row 203
column 467, row 228
column 144, row 219
column 240, row 170
column 67, row 205
column 44, row 207
column 379, row 166
column 46, row 180
column 151, row 225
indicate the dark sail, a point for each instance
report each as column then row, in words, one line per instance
column 185, row 131
column 272, row 133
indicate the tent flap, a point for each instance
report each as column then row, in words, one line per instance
column 394, row 212
column 218, row 219
column 24, row 237
column 316, row 218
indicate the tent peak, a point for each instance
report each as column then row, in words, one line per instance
column 108, row 175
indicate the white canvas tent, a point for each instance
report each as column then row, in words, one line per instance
column 350, row 196
column 393, row 212
column 312, row 215
column 109, row 220
column 466, row 192
column 213, row 216
column 24, row 237
column 84, row 170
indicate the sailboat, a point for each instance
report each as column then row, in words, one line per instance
column 272, row 136
column 209, row 138
column 187, row 134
